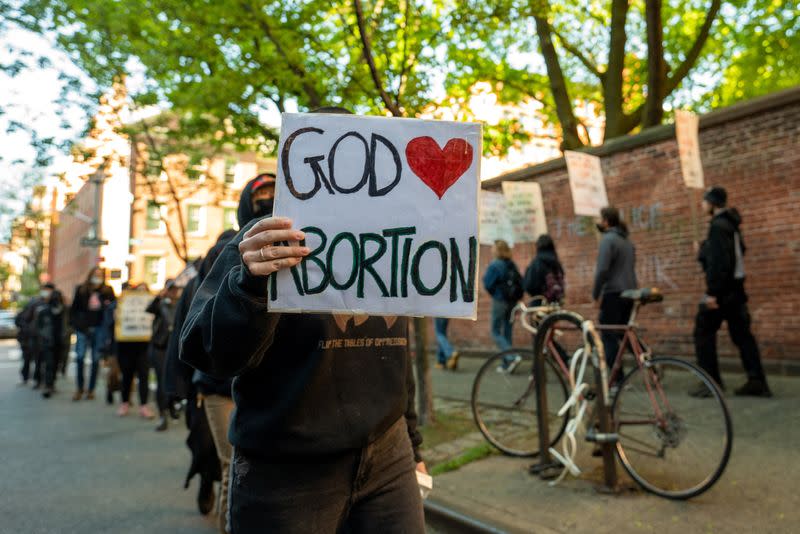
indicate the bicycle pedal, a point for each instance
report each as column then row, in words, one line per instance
column 600, row 437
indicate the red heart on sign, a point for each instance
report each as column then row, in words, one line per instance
column 438, row 168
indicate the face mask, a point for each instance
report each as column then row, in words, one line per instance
column 96, row 280
column 45, row 293
column 263, row 207
column 167, row 301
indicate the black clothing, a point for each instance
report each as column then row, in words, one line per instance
column 305, row 385
column 83, row 314
column 372, row 489
column 26, row 336
column 49, row 325
column 133, row 362
column 164, row 317
column 544, row 263
column 178, row 375
column 613, row 310
column 718, row 255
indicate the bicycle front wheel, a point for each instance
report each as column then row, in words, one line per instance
column 504, row 403
column 670, row 443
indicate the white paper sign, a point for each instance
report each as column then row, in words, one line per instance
column 586, row 183
column 687, row 125
column 132, row 322
column 495, row 223
column 525, row 210
column 390, row 211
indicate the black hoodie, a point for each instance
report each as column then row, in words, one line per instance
column 306, row 384
column 543, row 264
column 718, row 254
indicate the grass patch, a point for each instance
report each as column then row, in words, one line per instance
column 448, row 427
column 474, row 454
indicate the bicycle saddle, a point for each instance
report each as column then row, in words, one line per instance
column 645, row 295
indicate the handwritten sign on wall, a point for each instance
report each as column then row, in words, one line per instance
column 132, row 322
column 390, row 211
column 495, row 223
column 687, row 126
column 586, row 183
column 525, row 210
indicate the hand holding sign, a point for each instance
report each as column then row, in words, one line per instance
column 263, row 250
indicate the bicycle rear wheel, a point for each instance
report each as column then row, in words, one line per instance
column 670, row 443
column 504, row 403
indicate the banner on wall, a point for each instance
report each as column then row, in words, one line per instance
column 525, row 210
column 495, row 223
column 389, row 208
column 586, row 183
column 687, row 126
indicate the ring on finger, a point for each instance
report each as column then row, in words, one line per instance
column 261, row 251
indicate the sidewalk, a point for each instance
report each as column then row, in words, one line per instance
column 757, row 493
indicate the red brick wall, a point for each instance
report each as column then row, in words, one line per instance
column 757, row 159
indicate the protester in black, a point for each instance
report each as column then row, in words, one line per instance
column 615, row 273
column 324, row 428
column 163, row 310
column 26, row 336
column 722, row 258
column 49, row 325
column 86, row 313
column 545, row 275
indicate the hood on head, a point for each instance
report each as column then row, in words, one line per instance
column 620, row 230
column 245, row 213
column 732, row 215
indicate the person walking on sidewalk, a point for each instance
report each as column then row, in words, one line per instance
column 133, row 363
column 50, row 326
column 446, row 355
column 163, row 310
column 26, row 336
column 86, row 314
column 544, row 277
column 504, row 283
column 722, row 258
column 615, row 273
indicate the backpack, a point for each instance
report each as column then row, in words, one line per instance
column 554, row 286
column 511, row 284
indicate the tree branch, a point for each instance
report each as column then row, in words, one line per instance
column 366, row 50
column 694, row 52
column 656, row 66
column 612, row 78
column 588, row 63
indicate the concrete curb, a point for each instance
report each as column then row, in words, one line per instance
column 451, row 520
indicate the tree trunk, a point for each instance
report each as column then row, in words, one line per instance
column 613, row 77
column 425, row 413
column 558, row 86
column 656, row 66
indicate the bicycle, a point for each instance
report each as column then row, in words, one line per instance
column 503, row 396
column 670, row 443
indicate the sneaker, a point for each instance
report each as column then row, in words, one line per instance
column 146, row 413
column 701, row 391
column 754, row 388
column 513, row 364
column 47, row 393
column 90, row 395
column 78, row 395
column 452, row 363
column 205, row 497
column 162, row 424
column 123, row 409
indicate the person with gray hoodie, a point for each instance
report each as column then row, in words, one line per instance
column 615, row 273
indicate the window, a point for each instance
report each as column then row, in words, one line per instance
column 195, row 219
column 229, row 219
column 154, row 271
column 153, row 221
column 230, row 170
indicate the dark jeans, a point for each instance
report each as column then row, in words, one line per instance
column 133, row 363
column 501, row 325
column 28, row 358
column 371, row 490
column 613, row 310
column 732, row 310
column 50, row 361
column 87, row 341
column 444, row 347
column 158, row 357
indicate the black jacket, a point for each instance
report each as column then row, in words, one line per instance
column 26, row 330
column 543, row 264
column 80, row 316
column 306, row 384
column 49, row 324
column 718, row 254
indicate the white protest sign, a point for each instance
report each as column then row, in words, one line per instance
column 525, row 210
column 132, row 322
column 586, row 183
column 389, row 208
column 495, row 223
column 687, row 126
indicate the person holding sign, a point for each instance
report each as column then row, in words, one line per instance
column 133, row 360
column 504, row 283
column 324, row 429
column 722, row 258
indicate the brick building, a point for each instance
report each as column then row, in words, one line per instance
column 753, row 150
